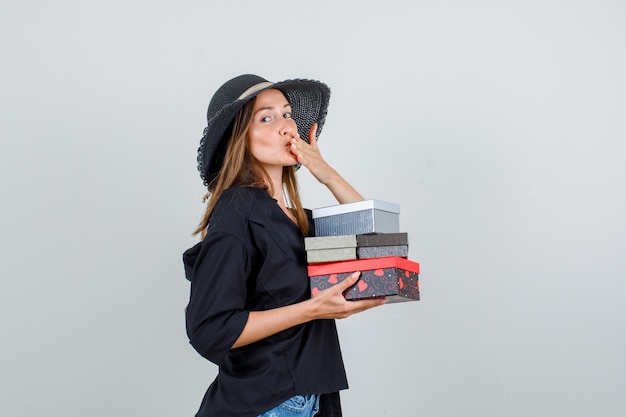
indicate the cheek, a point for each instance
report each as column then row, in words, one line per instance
column 257, row 145
column 255, row 141
column 259, row 138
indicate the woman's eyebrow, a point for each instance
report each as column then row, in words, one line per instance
column 270, row 108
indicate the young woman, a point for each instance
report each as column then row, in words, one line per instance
column 250, row 310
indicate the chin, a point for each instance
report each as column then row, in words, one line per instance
column 291, row 161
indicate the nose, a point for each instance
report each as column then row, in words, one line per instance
column 288, row 127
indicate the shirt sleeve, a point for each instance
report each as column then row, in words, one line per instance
column 216, row 315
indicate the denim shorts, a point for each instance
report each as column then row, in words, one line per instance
column 296, row 406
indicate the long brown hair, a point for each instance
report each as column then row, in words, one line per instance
column 243, row 169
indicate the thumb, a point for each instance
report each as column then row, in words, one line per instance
column 349, row 281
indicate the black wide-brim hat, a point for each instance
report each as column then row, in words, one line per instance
column 309, row 105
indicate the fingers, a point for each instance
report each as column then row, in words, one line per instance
column 307, row 154
column 349, row 281
column 310, row 141
column 295, row 150
column 332, row 304
column 358, row 305
column 298, row 145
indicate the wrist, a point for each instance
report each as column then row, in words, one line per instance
column 309, row 310
column 328, row 177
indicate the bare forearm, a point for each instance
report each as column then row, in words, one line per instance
column 262, row 324
column 329, row 304
column 341, row 189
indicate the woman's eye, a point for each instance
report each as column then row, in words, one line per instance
column 266, row 119
column 287, row 115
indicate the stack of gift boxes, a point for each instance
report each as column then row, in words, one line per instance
column 362, row 236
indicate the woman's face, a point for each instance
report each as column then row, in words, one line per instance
column 271, row 130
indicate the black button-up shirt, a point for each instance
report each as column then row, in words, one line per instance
column 253, row 259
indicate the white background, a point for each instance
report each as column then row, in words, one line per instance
column 497, row 126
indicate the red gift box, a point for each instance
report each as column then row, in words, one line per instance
column 393, row 277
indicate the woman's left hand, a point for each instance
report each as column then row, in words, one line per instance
column 308, row 154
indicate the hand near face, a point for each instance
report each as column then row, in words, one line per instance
column 308, row 154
